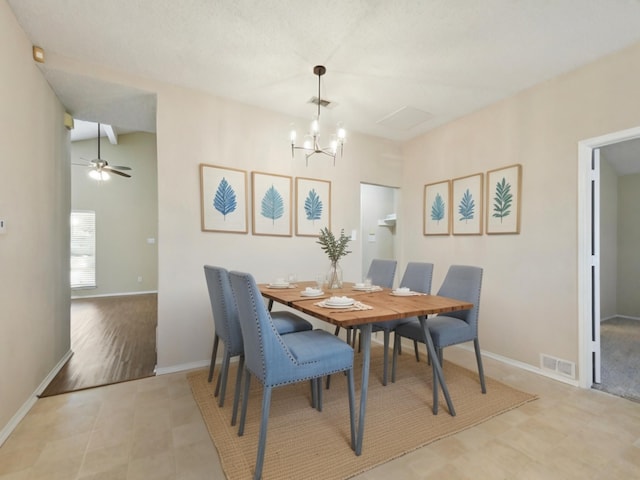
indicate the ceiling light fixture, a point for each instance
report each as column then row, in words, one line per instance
column 311, row 144
column 99, row 175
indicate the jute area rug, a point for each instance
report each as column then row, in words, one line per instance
column 303, row 443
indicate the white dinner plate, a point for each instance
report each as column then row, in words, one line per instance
column 334, row 305
column 402, row 294
column 364, row 289
column 339, row 304
column 314, row 294
column 279, row 285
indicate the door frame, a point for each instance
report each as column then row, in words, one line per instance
column 588, row 299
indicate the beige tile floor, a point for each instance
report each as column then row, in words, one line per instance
column 152, row 429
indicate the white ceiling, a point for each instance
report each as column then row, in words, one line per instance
column 390, row 63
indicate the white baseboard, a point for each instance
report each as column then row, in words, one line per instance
column 511, row 362
column 604, row 319
column 522, row 365
column 74, row 297
column 33, row 398
column 184, row 366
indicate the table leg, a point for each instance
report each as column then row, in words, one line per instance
column 270, row 306
column 437, row 369
column 365, row 339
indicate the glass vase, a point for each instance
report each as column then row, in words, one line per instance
column 334, row 277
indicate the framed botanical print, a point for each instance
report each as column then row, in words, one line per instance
column 504, row 188
column 466, row 216
column 437, row 208
column 223, row 198
column 271, row 203
column 313, row 206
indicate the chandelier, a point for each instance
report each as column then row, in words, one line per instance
column 311, row 144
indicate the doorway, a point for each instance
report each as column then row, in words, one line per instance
column 594, row 263
column 113, row 321
column 378, row 207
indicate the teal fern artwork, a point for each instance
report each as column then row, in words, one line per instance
column 438, row 208
column 272, row 206
column 313, row 206
column 467, row 206
column 503, row 200
column 225, row 200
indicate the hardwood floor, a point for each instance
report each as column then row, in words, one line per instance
column 113, row 340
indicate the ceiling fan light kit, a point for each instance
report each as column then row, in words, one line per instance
column 101, row 170
column 311, row 142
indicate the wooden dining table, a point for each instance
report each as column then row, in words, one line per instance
column 385, row 306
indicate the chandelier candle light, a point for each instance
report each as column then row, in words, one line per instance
column 311, row 144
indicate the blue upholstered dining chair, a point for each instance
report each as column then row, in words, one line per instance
column 227, row 328
column 463, row 283
column 277, row 360
column 417, row 277
column 382, row 273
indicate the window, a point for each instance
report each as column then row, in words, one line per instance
column 83, row 249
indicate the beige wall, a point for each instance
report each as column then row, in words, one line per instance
column 608, row 239
column 225, row 133
column 628, row 242
column 126, row 213
column 529, row 300
column 35, row 203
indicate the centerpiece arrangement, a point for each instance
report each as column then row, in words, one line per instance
column 335, row 248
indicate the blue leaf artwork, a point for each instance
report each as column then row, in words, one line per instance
column 272, row 206
column 503, row 200
column 467, row 206
column 438, row 208
column 225, row 200
column 313, row 206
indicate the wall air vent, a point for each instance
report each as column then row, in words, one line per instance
column 557, row 365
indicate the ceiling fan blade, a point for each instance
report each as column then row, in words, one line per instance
column 120, row 167
column 122, row 174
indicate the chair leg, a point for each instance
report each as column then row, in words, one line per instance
column 223, row 377
column 385, row 366
column 328, row 381
column 266, row 404
column 216, row 339
column 314, row 393
column 476, row 344
column 236, row 395
column 245, row 402
column 318, row 382
column 415, row 349
column 337, row 331
column 352, row 417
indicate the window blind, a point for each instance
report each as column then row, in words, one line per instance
column 83, row 249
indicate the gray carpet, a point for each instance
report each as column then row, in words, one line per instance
column 620, row 353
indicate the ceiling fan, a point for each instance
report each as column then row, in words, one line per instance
column 100, row 168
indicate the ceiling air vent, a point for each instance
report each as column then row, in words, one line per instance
column 323, row 102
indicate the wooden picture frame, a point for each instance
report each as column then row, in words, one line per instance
column 313, row 206
column 271, row 202
column 437, row 208
column 504, row 197
column 223, row 199
column 466, row 205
